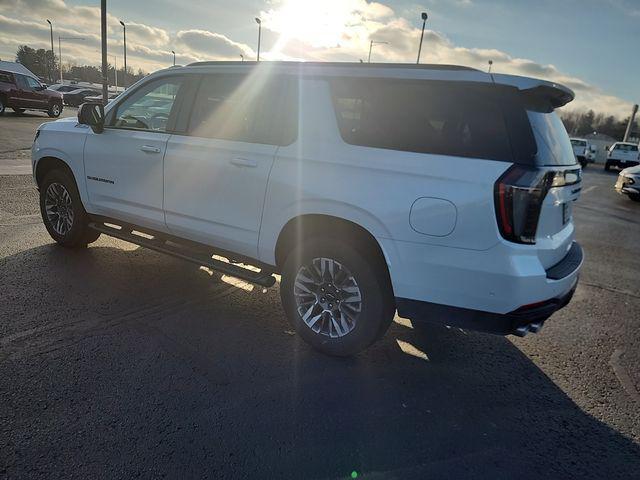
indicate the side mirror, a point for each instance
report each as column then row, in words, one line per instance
column 92, row 114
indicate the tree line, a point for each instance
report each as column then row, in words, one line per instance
column 580, row 123
column 45, row 64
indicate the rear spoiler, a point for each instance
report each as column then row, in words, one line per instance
column 538, row 91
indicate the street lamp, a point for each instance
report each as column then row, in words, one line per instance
column 424, row 22
column 51, row 62
column 124, row 32
column 490, row 64
column 174, row 58
column 371, row 44
column 60, row 51
column 259, row 22
column 241, row 57
column 115, row 70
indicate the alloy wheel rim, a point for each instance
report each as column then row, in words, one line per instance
column 328, row 298
column 59, row 208
column 55, row 109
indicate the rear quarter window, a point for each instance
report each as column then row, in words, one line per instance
column 445, row 118
column 554, row 146
column 6, row 77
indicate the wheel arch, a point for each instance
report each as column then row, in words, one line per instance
column 48, row 164
column 305, row 226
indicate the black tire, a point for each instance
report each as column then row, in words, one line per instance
column 18, row 111
column 607, row 167
column 372, row 279
column 2, row 106
column 55, row 109
column 635, row 197
column 79, row 235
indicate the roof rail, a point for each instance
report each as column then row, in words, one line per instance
column 421, row 66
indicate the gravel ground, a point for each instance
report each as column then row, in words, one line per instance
column 117, row 362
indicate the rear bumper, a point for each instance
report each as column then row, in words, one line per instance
column 528, row 318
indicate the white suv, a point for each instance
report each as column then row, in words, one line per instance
column 441, row 192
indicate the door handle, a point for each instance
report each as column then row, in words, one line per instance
column 149, row 149
column 244, row 162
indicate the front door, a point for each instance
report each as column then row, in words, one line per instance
column 216, row 172
column 124, row 163
column 40, row 99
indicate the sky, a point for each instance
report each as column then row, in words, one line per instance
column 590, row 46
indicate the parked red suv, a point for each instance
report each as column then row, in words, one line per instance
column 22, row 92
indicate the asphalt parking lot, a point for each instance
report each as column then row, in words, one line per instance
column 118, row 362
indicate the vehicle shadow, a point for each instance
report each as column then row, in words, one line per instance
column 122, row 362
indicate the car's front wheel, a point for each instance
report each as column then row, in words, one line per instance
column 62, row 212
column 55, row 109
column 338, row 298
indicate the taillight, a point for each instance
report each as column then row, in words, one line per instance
column 518, row 196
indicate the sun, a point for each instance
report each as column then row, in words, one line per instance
column 320, row 24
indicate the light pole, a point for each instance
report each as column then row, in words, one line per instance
column 424, row 22
column 241, row 57
column 259, row 22
column 124, row 32
column 174, row 58
column 51, row 61
column 490, row 65
column 115, row 70
column 60, row 51
column 371, row 44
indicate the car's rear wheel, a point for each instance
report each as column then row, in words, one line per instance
column 19, row 111
column 607, row 166
column 338, row 300
column 55, row 109
column 62, row 212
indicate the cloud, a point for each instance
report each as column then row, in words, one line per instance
column 213, row 45
column 338, row 30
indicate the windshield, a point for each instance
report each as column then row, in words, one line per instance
column 554, row 147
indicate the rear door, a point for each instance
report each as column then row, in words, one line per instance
column 216, row 170
column 25, row 97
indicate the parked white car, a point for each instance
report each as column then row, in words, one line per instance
column 622, row 155
column 628, row 183
column 583, row 151
column 441, row 192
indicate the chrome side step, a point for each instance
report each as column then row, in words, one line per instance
column 189, row 251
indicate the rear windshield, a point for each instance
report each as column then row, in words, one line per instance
column 446, row 118
column 578, row 143
column 626, row 148
column 554, row 147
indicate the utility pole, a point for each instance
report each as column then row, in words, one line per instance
column 490, row 65
column 52, row 60
column 103, row 33
column 124, row 32
column 630, row 124
column 424, row 22
column 371, row 44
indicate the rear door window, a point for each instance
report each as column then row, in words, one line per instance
column 6, row 77
column 446, row 118
column 245, row 108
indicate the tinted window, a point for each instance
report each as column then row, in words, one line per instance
column 422, row 116
column 33, row 83
column 578, row 143
column 21, row 81
column 245, row 108
column 149, row 107
column 554, row 147
column 6, row 77
column 626, row 148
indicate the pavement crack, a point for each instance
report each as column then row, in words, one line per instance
column 610, row 289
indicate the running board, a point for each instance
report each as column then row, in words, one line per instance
column 185, row 250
